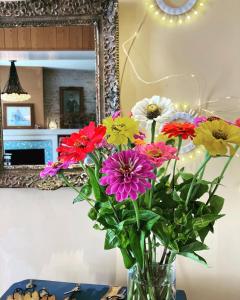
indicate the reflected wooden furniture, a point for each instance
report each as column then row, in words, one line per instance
column 48, row 38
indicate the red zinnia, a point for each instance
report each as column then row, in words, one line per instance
column 76, row 147
column 184, row 130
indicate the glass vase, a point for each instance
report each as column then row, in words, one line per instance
column 157, row 282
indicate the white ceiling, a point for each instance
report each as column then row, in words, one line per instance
column 74, row 60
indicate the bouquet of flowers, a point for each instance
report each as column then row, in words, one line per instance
column 138, row 194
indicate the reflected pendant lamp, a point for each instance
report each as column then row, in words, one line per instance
column 13, row 91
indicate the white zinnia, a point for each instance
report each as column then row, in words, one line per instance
column 157, row 108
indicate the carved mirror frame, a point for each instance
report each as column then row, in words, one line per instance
column 103, row 14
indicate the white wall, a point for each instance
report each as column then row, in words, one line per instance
column 43, row 235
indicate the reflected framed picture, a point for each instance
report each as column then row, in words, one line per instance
column 18, row 116
column 71, row 107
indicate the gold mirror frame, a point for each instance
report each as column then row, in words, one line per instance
column 103, row 14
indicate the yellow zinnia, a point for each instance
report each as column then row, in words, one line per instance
column 217, row 137
column 120, row 130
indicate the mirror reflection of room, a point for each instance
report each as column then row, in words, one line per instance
column 46, row 95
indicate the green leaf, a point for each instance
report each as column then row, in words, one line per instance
column 95, row 184
column 203, row 233
column 127, row 258
column 134, row 241
column 160, row 172
column 93, row 214
column 194, row 246
column 151, row 223
column 177, row 198
column 205, row 220
column 111, row 240
column 144, row 215
column 84, row 193
column 195, row 257
column 98, row 227
column 180, row 217
column 199, row 190
column 123, row 239
column 186, row 176
column 216, row 204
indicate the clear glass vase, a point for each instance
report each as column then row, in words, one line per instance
column 157, row 282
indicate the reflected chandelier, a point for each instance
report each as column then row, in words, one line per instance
column 13, row 91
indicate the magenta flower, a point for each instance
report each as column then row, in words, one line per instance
column 127, row 174
column 140, row 136
column 198, row 120
column 158, row 153
column 116, row 114
column 52, row 168
column 104, row 144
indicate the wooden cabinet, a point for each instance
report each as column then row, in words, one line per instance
column 47, row 38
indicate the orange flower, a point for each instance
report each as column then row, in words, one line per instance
column 183, row 130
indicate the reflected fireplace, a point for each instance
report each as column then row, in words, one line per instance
column 26, row 157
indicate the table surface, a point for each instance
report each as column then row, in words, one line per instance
column 88, row 291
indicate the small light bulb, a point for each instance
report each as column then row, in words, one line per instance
column 191, row 157
column 201, row 4
column 151, row 6
column 196, row 13
column 180, row 21
column 156, row 12
column 188, row 17
column 171, row 21
column 164, row 18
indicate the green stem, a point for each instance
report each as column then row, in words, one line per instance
column 153, row 130
column 68, row 183
column 94, row 158
column 208, row 157
column 165, row 171
column 221, row 176
column 135, row 205
column 114, row 211
column 175, row 161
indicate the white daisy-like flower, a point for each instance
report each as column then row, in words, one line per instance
column 159, row 109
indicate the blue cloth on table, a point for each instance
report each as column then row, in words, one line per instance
column 88, row 291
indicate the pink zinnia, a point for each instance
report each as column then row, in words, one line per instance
column 158, row 153
column 52, row 168
column 198, row 120
column 127, row 174
column 237, row 122
column 116, row 114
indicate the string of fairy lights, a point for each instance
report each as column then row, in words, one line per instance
column 194, row 153
column 127, row 46
column 176, row 19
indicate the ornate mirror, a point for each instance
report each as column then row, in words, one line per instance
column 58, row 71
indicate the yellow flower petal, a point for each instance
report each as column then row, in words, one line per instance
column 218, row 137
column 120, row 130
